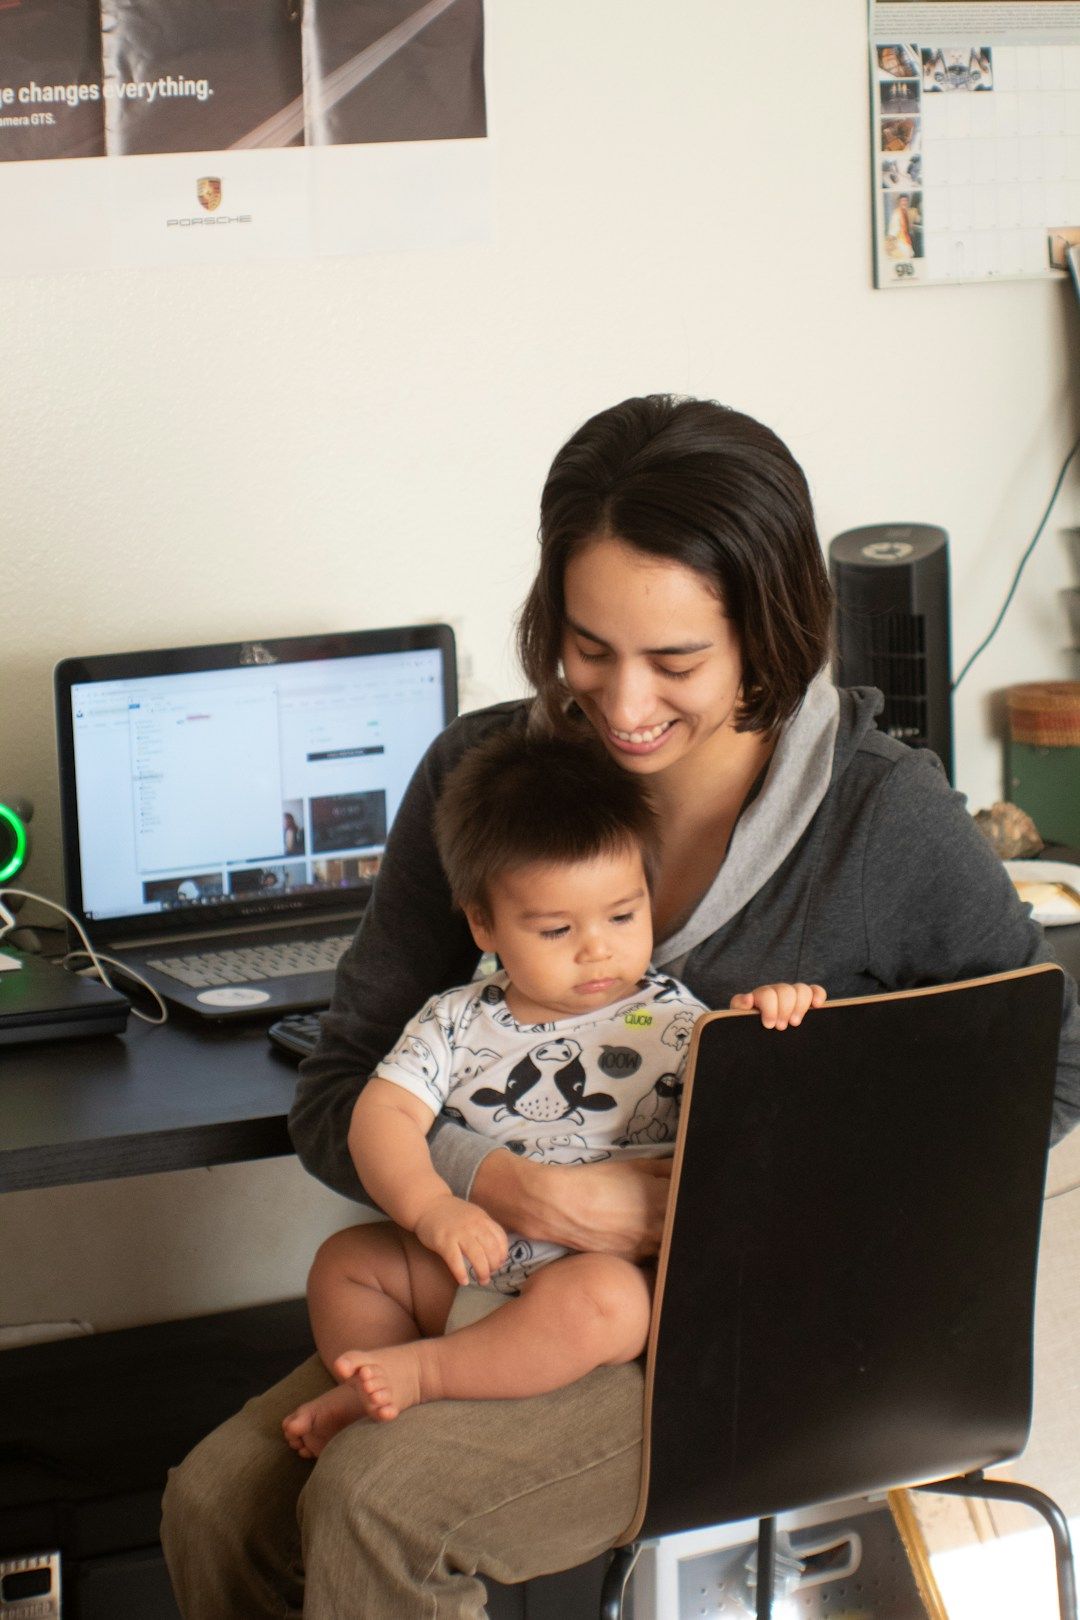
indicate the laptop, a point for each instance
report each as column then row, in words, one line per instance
column 224, row 809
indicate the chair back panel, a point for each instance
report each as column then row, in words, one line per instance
column 845, row 1292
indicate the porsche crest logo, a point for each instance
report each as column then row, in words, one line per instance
column 208, row 191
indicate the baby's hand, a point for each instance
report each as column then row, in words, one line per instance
column 464, row 1235
column 781, row 1004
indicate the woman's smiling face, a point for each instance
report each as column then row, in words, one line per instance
column 649, row 655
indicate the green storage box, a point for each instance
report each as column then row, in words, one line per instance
column 1046, row 783
column 1043, row 757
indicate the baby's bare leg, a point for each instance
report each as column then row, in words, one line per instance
column 581, row 1312
column 371, row 1285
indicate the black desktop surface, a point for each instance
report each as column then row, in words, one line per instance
column 171, row 1098
column 157, row 1098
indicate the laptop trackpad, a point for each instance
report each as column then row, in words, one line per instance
column 233, row 995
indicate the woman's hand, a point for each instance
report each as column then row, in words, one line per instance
column 614, row 1207
column 780, row 1004
column 464, row 1235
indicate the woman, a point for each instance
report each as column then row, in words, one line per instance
column 898, row 242
column 681, row 611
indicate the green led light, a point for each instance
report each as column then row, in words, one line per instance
column 16, row 824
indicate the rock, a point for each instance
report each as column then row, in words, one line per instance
column 1009, row 830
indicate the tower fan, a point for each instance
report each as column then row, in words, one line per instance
column 892, row 627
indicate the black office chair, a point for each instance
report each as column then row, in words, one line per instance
column 845, row 1291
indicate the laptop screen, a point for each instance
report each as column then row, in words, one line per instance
column 247, row 779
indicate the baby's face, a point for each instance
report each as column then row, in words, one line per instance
column 572, row 938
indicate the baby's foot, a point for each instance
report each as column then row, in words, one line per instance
column 385, row 1386
column 316, row 1422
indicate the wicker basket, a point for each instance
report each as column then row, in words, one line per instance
column 1045, row 714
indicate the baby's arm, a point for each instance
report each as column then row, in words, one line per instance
column 388, row 1144
column 781, row 1004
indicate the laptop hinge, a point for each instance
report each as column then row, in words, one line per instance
column 273, row 925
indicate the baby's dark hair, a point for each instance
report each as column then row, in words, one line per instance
column 517, row 799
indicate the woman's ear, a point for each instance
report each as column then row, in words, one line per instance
column 480, row 924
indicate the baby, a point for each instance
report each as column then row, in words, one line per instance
column 573, row 1052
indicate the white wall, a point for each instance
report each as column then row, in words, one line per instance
column 681, row 201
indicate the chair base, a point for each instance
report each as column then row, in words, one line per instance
column 618, row 1574
column 1005, row 1490
column 974, row 1484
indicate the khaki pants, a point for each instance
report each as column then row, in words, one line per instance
column 395, row 1520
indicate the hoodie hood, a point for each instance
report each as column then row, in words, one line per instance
column 814, row 748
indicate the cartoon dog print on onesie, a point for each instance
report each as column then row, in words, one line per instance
column 548, row 1084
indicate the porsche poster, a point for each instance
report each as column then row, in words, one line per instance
column 204, row 130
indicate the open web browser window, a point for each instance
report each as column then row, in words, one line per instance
column 202, row 787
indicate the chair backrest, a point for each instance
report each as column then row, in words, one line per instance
column 845, row 1291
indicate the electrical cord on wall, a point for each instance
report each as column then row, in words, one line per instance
column 981, row 648
column 97, row 959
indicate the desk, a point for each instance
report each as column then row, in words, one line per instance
column 1065, row 948
column 169, row 1098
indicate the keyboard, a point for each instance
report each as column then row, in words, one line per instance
column 296, row 1032
column 246, row 964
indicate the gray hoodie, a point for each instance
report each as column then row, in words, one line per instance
column 855, row 866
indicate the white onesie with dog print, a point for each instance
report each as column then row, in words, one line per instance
column 569, row 1092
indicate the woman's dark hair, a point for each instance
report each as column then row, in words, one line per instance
column 517, row 799
column 696, row 483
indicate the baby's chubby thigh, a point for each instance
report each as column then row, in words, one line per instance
column 601, row 1302
column 384, row 1258
column 432, row 1284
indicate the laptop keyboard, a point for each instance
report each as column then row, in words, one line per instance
column 248, row 963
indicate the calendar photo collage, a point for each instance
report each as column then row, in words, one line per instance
column 976, row 154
